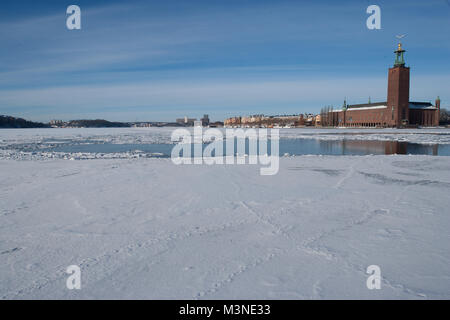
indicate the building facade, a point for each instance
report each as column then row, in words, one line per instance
column 397, row 111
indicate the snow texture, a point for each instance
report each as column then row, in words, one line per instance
column 148, row 229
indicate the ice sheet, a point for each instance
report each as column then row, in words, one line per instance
column 145, row 228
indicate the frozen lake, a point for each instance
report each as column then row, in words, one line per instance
column 144, row 228
column 148, row 229
column 156, row 142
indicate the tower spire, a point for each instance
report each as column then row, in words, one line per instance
column 399, row 53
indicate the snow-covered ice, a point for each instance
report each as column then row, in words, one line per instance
column 38, row 144
column 162, row 135
column 148, row 229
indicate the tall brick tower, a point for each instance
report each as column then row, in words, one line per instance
column 438, row 112
column 398, row 90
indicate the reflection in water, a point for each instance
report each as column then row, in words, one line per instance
column 387, row 147
column 374, row 147
column 359, row 147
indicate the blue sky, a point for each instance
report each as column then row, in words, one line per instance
column 161, row 60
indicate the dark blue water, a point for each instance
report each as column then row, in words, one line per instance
column 289, row 146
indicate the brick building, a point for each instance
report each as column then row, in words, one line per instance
column 397, row 111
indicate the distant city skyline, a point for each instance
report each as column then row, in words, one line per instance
column 163, row 60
